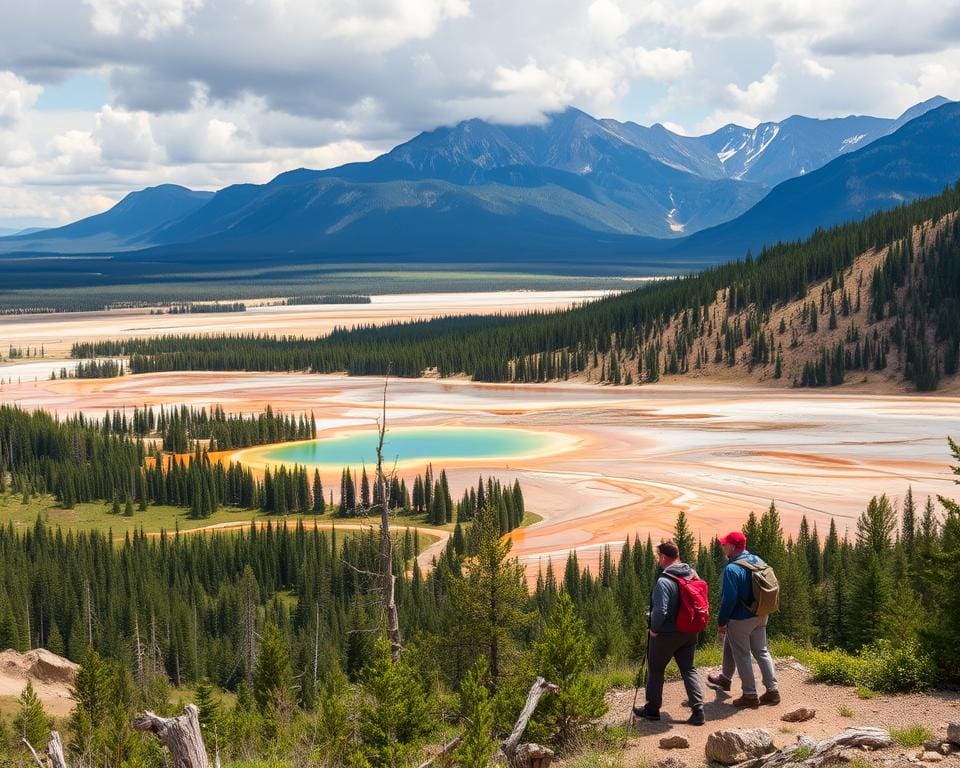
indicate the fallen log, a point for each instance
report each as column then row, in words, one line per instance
column 180, row 735
column 813, row 754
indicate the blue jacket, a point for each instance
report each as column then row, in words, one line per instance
column 737, row 586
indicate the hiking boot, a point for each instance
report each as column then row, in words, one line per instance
column 770, row 697
column 697, row 717
column 645, row 714
column 718, row 681
column 747, row 702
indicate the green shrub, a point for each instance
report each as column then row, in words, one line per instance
column 836, row 667
column 894, row 668
column 881, row 666
column 911, row 735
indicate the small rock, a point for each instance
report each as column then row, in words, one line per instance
column 799, row 715
column 676, row 741
column 931, row 757
column 729, row 747
column 931, row 745
column 670, row 762
column 946, row 748
column 534, row 755
column 953, row 733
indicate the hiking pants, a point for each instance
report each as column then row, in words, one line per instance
column 672, row 645
column 747, row 638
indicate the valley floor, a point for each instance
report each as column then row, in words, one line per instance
column 639, row 454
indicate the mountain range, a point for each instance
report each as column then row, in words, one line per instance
column 572, row 187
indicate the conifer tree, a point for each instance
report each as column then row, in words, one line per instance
column 396, row 714
column 31, row 722
column 684, row 537
column 210, row 713
column 272, row 674
column 478, row 745
column 488, row 601
column 564, row 655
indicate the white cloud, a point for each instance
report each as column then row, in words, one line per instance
column 658, row 64
column 209, row 93
column 607, row 21
column 16, row 97
column 141, row 18
column 817, row 69
column 758, row 94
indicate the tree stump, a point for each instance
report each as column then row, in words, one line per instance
column 180, row 735
column 55, row 751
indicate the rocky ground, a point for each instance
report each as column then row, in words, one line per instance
column 835, row 708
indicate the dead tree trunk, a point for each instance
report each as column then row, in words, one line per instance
column 181, row 735
column 55, row 751
column 386, row 543
column 511, row 746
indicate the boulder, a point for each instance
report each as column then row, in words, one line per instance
column 931, row 757
column 534, row 756
column 675, row 741
column 953, row 733
column 735, row 745
column 799, row 715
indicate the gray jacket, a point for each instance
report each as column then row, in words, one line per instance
column 665, row 600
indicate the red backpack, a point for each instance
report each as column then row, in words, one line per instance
column 694, row 611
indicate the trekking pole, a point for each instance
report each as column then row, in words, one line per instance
column 640, row 680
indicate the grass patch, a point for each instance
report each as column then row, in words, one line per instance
column 865, row 693
column 803, row 752
column 911, row 735
column 95, row 516
column 845, row 711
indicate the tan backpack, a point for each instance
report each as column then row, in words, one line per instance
column 766, row 587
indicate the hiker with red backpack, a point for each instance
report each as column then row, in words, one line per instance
column 679, row 611
column 749, row 594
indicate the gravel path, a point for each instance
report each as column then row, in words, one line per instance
column 932, row 710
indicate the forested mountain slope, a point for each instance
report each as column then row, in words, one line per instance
column 886, row 290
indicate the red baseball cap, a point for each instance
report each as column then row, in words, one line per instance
column 735, row 538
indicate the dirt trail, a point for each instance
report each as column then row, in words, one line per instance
column 932, row 710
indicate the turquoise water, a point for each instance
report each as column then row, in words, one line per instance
column 413, row 444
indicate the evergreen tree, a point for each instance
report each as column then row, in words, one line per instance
column 272, row 674
column 31, row 722
column 396, row 714
column 565, row 655
column 488, row 601
column 478, row 745
column 210, row 713
column 684, row 537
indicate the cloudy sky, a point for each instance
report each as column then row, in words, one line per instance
column 99, row 97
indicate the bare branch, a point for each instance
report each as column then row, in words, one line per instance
column 540, row 686
column 33, row 752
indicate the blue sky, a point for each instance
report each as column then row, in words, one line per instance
column 100, row 97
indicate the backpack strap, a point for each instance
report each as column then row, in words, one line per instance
column 750, row 568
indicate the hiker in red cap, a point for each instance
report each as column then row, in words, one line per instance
column 748, row 595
